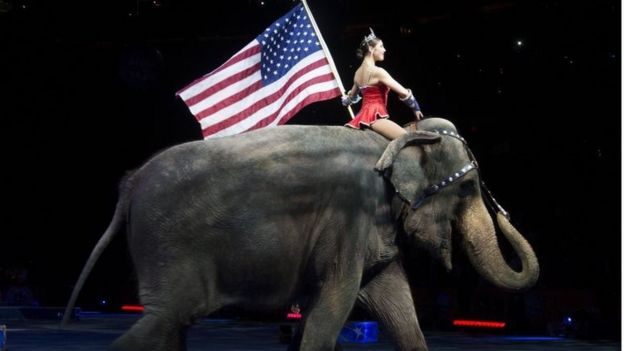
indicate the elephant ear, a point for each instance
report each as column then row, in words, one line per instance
column 403, row 168
column 419, row 137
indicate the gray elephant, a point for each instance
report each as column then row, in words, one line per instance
column 320, row 214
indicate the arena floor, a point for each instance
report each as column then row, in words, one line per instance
column 94, row 332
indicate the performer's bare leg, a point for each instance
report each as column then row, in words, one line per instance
column 388, row 128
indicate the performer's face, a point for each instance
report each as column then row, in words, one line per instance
column 378, row 51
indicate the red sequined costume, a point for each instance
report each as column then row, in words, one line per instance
column 374, row 99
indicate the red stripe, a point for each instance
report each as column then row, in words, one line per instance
column 234, row 59
column 230, row 100
column 258, row 105
column 265, row 102
column 222, row 85
column 324, row 95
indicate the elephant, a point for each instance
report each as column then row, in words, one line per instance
column 322, row 214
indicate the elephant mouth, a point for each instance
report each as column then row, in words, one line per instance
column 439, row 246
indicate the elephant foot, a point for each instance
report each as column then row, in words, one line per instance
column 151, row 333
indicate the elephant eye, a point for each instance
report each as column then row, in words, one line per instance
column 467, row 188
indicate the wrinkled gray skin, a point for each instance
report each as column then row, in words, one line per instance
column 266, row 218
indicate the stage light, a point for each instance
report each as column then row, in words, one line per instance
column 478, row 324
column 359, row 332
column 132, row 308
column 519, row 43
column 295, row 312
column 103, row 302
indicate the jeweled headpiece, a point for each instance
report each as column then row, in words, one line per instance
column 370, row 37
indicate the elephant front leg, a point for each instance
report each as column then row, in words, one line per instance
column 326, row 316
column 389, row 299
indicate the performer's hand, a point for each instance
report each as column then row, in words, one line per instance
column 346, row 101
column 419, row 115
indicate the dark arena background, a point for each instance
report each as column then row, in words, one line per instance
column 87, row 93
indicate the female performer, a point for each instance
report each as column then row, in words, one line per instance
column 374, row 83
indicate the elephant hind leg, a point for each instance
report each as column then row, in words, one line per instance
column 152, row 333
column 170, row 310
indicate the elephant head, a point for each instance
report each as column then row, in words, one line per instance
column 440, row 183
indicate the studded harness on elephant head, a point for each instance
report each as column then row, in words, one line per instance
column 473, row 165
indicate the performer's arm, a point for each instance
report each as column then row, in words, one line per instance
column 405, row 95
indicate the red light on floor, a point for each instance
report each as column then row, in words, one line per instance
column 132, row 308
column 478, row 324
column 293, row 316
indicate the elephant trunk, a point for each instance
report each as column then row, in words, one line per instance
column 482, row 248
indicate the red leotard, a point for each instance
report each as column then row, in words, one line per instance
column 374, row 98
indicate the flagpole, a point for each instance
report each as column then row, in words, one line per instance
column 332, row 66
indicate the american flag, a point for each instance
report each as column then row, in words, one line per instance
column 267, row 82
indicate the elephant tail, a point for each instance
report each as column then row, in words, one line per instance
column 113, row 228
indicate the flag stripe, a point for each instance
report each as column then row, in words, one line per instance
column 265, row 95
column 263, row 106
column 324, row 83
column 254, row 78
column 308, row 99
column 231, row 80
column 271, row 111
column 260, row 96
column 324, row 95
column 236, row 63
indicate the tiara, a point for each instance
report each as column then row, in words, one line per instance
column 370, row 37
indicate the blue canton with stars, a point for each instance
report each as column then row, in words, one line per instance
column 286, row 42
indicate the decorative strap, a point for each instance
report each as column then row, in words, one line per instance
column 434, row 189
column 451, row 134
